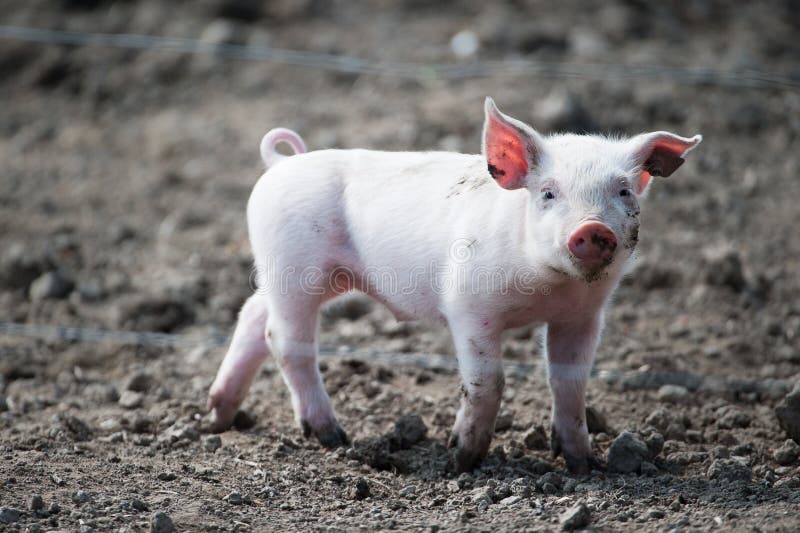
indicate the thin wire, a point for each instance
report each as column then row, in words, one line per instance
column 626, row 379
column 449, row 71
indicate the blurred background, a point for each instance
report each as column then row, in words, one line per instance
column 126, row 167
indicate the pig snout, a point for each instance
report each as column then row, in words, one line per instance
column 593, row 244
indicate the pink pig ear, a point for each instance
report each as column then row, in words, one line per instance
column 660, row 154
column 512, row 148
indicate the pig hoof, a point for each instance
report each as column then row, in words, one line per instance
column 221, row 416
column 465, row 458
column 329, row 437
column 581, row 465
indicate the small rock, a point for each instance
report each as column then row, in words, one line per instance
column 139, row 382
column 536, row 439
column 729, row 470
column 243, row 421
column 576, row 517
column 51, row 285
column 167, row 476
column 76, row 427
column 212, row 443
column 550, row 478
column 8, row 515
column 596, row 421
column 510, row 501
column 670, row 423
column 788, row 413
column 36, row 503
column 627, row 453
column 80, row 497
column 648, row 469
column 234, row 498
column 504, row 421
column 733, row 418
column 464, row 44
column 152, row 313
column 787, row 453
column 483, row 495
column 139, row 505
column 725, row 270
column 130, row 399
column 361, row 490
column 673, row 394
column 410, row 490
column 161, row 523
column 19, row 267
column 220, row 32
column 101, row 393
column 655, row 443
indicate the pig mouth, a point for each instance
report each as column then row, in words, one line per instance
column 591, row 271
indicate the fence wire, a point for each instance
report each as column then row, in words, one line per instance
column 623, row 379
column 744, row 78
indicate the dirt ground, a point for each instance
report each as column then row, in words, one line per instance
column 124, row 180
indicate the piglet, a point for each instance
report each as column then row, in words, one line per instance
column 534, row 230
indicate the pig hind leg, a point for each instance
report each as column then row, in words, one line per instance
column 238, row 370
column 291, row 335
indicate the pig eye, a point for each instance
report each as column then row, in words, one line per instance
column 625, row 192
column 548, row 195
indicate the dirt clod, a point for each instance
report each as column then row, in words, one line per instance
column 160, row 522
column 576, row 517
column 627, row 453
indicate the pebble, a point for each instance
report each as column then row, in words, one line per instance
column 510, row 501
column 36, row 503
column 627, row 453
column 361, row 490
column 212, row 443
column 167, row 476
column 464, row 44
column 8, row 515
column 733, row 418
column 536, row 439
column 648, row 469
column 80, row 497
column 729, row 470
column 788, row 413
column 139, row 382
column 19, row 267
column 130, row 399
column 673, row 394
column 50, row 285
column 787, row 453
column 725, row 270
column 504, row 421
column 576, row 517
column 161, row 523
column 235, row 498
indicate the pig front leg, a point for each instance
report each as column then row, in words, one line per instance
column 570, row 352
column 481, row 368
